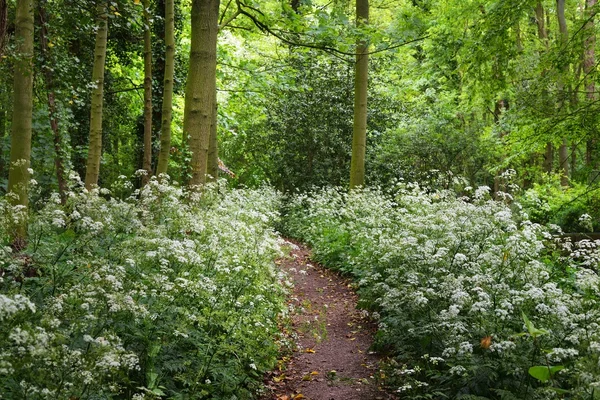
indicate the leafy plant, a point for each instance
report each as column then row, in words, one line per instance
column 460, row 286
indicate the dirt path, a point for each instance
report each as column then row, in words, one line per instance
column 332, row 360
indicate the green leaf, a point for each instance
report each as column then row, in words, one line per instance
column 540, row 372
column 533, row 331
column 544, row 373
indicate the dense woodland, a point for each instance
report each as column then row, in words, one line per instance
column 443, row 154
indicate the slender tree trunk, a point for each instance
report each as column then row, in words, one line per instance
column 2, row 135
column 539, row 19
column 589, row 59
column 563, row 152
column 213, row 147
column 147, row 163
column 549, row 158
column 95, row 147
column 3, row 25
column 548, row 163
column 563, row 159
column 59, row 163
column 20, row 150
column 518, row 40
column 201, row 85
column 361, row 79
column 167, row 105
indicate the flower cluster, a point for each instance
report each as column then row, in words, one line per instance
column 467, row 281
column 164, row 293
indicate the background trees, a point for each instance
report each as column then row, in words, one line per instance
column 20, row 146
column 466, row 88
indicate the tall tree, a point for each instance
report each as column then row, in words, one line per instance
column 147, row 163
column 201, row 85
column 20, row 150
column 3, row 24
column 361, row 79
column 563, row 152
column 213, row 146
column 589, row 61
column 95, row 145
column 543, row 36
column 167, row 105
column 48, row 71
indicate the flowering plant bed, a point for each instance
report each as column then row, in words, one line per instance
column 166, row 293
column 473, row 299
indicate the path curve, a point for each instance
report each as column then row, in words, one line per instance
column 332, row 360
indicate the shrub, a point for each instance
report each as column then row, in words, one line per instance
column 473, row 299
column 574, row 209
column 167, row 293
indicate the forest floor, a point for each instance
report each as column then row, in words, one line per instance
column 332, row 359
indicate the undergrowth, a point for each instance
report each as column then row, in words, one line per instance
column 473, row 300
column 164, row 293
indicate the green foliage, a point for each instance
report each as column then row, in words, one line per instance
column 166, row 293
column 573, row 209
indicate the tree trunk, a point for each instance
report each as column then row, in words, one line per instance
column 361, row 79
column 543, row 36
column 563, row 152
column 201, row 85
column 167, row 105
column 2, row 135
column 59, row 163
column 20, row 150
column 549, row 158
column 563, row 159
column 3, row 25
column 213, row 147
column 539, row 19
column 147, row 163
column 589, row 59
column 95, row 147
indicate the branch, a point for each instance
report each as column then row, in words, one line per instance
column 224, row 11
column 265, row 28
column 126, row 90
column 229, row 20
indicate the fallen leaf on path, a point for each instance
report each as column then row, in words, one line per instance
column 279, row 378
column 309, row 351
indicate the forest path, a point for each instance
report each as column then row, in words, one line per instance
column 332, row 360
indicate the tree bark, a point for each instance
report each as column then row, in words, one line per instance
column 201, row 85
column 213, row 147
column 2, row 135
column 59, row 163
column 549, row 158
column 147, row 162
column 3, row 25
column 167, row 105
column 95, row 147
column 589, row 59
column 563, row 152
column 548, row 163
column 539, row 19
column 361, row 79
column 20, row 150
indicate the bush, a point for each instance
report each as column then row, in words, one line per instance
column 473, row 300
column 574, row 209
column 167, row 293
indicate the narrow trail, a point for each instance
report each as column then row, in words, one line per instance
column 332, row 359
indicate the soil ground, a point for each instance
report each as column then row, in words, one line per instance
column 332, row 359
